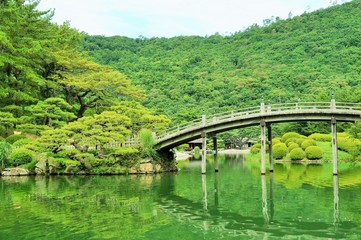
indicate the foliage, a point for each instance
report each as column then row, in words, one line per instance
column 293, row 146
column 289, row 135
column 16, row 137
column 279, row 150
column 22, row 142
column 276, row 140
column 350, row 145
column 182, row 147
column 297, row 154
column 5, row 151
column 289, row 141
column 321, row 137
column 314, row 152
column 309, row 142
column 21, row 156
column 255, row 150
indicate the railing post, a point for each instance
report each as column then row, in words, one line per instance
column 269, row 107
column 262, row 107
column 333, row 102
column 204, row 120
column 334, row 146
column 263, row 147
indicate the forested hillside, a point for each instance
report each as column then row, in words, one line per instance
column 305, row 58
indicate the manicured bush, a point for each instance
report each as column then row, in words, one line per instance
column 309, row 142
column 21, row 156
column 289, row 135
column 256, row 148
column 314, row 152
column 290, row 141
column 276, row 140
column 297, row 154
column 197, row 150
column 349, row 145
column 13, row 138
column 321, row 137
column 279, row 150
column 293, row 146
column 299, row 141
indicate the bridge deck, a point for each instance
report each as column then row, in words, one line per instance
column 273, row 113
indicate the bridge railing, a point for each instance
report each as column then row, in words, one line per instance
column 263, row 109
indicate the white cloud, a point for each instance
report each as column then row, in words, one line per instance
column 167, row 18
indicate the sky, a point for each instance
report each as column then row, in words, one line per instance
column 169, row 18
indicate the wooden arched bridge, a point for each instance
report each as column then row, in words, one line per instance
column 264, row 116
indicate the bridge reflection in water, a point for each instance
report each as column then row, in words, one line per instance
column 212, row 218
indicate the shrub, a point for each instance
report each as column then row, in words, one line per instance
column 290, row 141
column 276, row 140
column 314, row 152
column 2, row 139
column 22, row 142
column 5, row 151
column 13, row 138
column 146, row 139
column 349, row 145
column 197, row 150
column 293, row 146
column 279, row 150
column 321, row 137
column 147, row 142
column 289, row 135
column 255, row 150
column 297, row 154
column 299, row 141
column 309, row 142
column 183, row 147
column 21, row 156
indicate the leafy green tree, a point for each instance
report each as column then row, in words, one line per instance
column 7, row 120
column 52, row 112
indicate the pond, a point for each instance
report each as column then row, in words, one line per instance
column 297, row 201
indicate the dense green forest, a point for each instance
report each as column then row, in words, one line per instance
column 304, row 58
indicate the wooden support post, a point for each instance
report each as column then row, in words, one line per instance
column 264, row 199
column 334, row 146
column 263, row 147
column 336, row 201
column 204, row 191
column 269, row 131
column 215, row 153
column 216, row 189
column 271, row 202
column 204, row 152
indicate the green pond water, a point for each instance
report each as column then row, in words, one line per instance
column 297, row 201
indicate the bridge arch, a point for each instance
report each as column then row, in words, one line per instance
column 263, row 115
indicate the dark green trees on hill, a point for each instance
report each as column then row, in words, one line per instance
column 300, row 59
